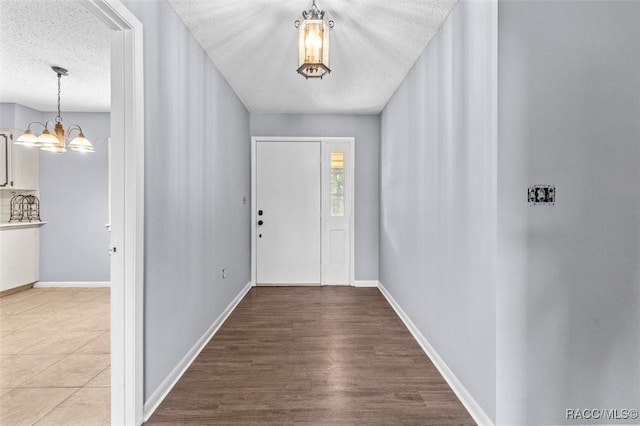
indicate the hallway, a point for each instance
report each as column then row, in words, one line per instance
column 312, row 355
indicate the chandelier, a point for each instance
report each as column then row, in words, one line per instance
column 313, row 43
column 56, row 141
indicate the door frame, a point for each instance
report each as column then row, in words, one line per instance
column 254, row 217
column 127, row 210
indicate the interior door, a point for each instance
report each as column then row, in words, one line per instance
column 288, row 213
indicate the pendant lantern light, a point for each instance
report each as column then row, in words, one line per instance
column 313, row 43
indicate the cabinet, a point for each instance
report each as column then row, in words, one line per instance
column 19, row 165
column 19, row 255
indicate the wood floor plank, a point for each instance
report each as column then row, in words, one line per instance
column 312, row 356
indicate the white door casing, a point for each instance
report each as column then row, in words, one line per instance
column 337, row 232
column 288, row 204
column 126, row 169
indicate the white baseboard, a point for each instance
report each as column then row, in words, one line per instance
column 458, row 388
column 167, row 384
column 72, row 284
column 366, row 283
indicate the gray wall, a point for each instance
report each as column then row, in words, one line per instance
column 197, row 171
column 16, row 116
column 7, row 116
column 365, row 130
column 569, row 291
column 24, row 115
column 73, row 198
column 74, row 201
column 438, row 196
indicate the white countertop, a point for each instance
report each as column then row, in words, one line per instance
column 9, row 225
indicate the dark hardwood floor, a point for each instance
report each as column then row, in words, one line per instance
column 312, row 356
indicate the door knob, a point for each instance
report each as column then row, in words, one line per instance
column 260, row 222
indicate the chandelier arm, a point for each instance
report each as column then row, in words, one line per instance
column 36, row 122
column 73, row 127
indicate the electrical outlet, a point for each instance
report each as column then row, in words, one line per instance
column 541, row 194
column 224, row 273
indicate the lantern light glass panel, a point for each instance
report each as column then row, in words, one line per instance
column 313, row 44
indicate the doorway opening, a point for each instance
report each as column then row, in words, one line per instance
column 127, row 209
column 303, row 211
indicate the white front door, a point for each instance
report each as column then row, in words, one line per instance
column 288, row 212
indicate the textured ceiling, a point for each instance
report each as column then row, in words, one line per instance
column 252, row 43
column 35, row 34
column 373, row 46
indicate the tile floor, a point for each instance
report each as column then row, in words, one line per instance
column 55, row 357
